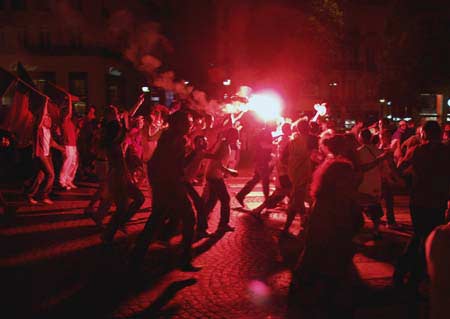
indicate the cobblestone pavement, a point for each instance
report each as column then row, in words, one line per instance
column 52, row 265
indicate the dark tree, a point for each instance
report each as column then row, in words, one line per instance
column 416, row 51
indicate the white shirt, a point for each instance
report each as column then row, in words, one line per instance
column 371, row 183
column 46, row 136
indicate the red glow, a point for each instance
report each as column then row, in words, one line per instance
column 267, row 105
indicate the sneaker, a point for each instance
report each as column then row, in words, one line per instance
column 72, row 185
column 225, row 228
column 189, row 267
column 97, row 220
column 31, row 200
column 202, row 234
column 47, row 201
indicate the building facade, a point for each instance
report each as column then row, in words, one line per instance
column 56, row 41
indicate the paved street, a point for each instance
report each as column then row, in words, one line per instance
column 52, row 265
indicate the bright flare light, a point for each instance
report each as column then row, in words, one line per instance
column 267, row 105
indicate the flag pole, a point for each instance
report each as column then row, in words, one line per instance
column 31, row 87
column 10, row 85
column 26, row 84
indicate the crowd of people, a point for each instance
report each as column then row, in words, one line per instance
column 330, row 177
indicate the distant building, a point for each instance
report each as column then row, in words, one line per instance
column 56, row 41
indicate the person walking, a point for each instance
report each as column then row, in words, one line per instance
column 45, row 171
column 428, row 201
column 215, row 188
column 169, row 194
column 70, row 165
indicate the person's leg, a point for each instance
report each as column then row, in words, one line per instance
column 388, row 197
column 240, row 196
column 72, row 171
column 224, row 198
column 94, row 199
column 40, row 176
column 188, row 224
column 296, row 205
column 49, row 171
column 264, row 172
column 138, row 200
column 199, row 207
column 210, row 198
column 375, row 212
column 64, row 168
column 408, row 258
column 160, row 210
column 102, row 210
column 121, row 201
column 277, row 196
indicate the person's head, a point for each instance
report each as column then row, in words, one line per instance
column 335, row 145
column 91, row 113
column 303, row 127
column 200, row 142
column 180, row 122
column 431, row 132
column 365, row 136
column 402, row 126
column 384, row 123
column 333, row 180
column 47, row 121
column 111, row 114
column 286, row 129
column 140, row 122
column 411, row 124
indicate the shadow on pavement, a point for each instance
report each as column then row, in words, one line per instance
column 155, row 310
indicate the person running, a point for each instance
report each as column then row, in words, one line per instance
column 119, row 186
column 284, row 185
column 169, row 193
column 263, row 156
